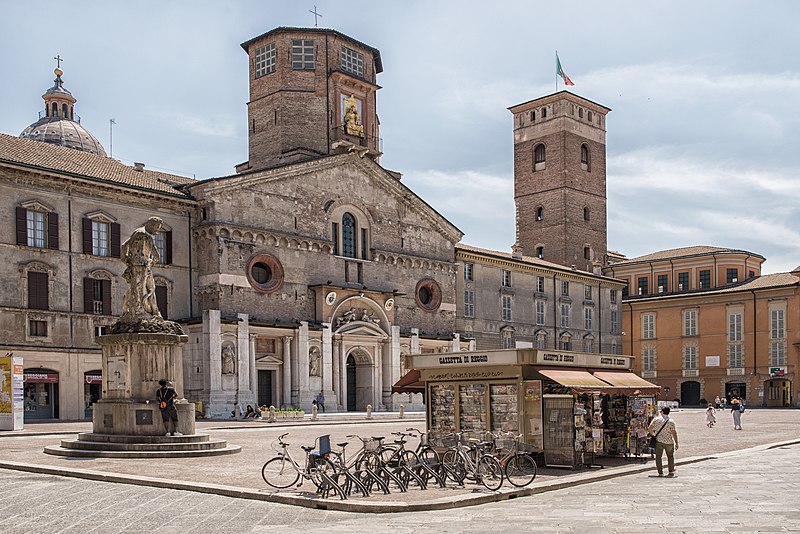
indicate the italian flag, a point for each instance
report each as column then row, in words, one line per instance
column 560, row 72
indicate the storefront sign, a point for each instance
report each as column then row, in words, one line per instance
column 455, row 359
column 443, row 375
column 93, row 379
column 777, row 371
column 11, row 393
column 582, row 359
column 46, row 378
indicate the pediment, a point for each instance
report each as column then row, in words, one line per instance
column 361, row 328
column 269, row 359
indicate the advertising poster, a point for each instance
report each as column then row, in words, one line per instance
column 11, row 394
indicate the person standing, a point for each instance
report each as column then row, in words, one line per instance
column 166, row 395
column 710, row 417
column 663, row 428
column 320, row 401
column 736, row 410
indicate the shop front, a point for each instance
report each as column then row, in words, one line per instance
column 92, row 390
column 40, row 390
column 568, row 406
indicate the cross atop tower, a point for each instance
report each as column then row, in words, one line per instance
column 316, row 15
column 59, row 59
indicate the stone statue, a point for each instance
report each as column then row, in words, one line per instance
column 313, row 362
column 352, row 121
column 346, row 317
column 228, row 360
column 140, row 253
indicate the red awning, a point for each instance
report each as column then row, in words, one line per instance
column 409, row 383
column 577, row 379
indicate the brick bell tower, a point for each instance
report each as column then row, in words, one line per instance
column 560, row 180
column 312, row 93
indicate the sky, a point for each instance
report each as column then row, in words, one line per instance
column 702, row 139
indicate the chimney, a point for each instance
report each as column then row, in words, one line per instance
column 516, row 252
column 138, row 166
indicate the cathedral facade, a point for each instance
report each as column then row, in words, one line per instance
column 310, row 270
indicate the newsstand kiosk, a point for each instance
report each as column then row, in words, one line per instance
column 568, row 406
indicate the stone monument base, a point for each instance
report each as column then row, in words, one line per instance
column 138, row 418
column 93, row 445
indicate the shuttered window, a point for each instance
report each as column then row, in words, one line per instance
column 38, row 298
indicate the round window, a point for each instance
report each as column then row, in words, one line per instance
column 428, row 294
column 261, row 273
column 265, row 273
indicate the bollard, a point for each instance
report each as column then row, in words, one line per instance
column 314, row 410
column 271, row 414
column 402, row 411
column 369, row 411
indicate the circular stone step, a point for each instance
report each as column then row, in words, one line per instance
column 120, row 438
column 166, row 446
column 96, row 453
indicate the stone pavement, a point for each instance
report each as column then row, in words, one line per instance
column 739, row 492
column 239, row 475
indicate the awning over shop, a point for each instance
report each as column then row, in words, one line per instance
column 409, row 383
column 627, row 380
column 575, row 378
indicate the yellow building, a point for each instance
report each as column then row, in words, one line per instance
column 705, row 323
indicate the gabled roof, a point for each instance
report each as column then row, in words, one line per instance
column 46, row 157
column 683, row 252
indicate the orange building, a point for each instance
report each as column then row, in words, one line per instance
column 704, row 322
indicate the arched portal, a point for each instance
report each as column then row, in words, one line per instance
column 690, row 393
column 359, row 380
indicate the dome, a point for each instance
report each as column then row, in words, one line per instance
column 63, row 132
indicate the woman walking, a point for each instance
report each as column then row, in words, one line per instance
column 736, row 410
column 710, row 417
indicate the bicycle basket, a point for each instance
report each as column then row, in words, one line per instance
column 442, row 440
column 372, row 445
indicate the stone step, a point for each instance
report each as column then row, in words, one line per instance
column 79, row 453
column 165, row 446
column 117, row 438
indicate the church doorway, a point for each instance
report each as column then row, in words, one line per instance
column 265, row 388
column 690, row 393
column 359, row 380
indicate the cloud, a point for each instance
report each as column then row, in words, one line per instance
column 216, row 126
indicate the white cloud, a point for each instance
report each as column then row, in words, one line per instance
column 213, row 125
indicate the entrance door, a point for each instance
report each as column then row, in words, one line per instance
column 778, row 392
column 41, row 394
column 92, row 390
column 265, row 388
column 690, row 393
column 351, row 384
column 735, row 389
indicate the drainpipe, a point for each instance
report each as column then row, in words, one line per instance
column 716, row 279
column 755, row 332
column 630, row 332
column 191, row 290
column 556, row 319
column 671, row 275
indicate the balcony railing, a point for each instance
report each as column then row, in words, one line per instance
column 339, row 133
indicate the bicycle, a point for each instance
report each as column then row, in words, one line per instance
column 408, row 464
column 284, row 471
column 519, row 467
column 356, row 477
column 479, row 465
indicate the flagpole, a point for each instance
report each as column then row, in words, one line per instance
column 556, row 71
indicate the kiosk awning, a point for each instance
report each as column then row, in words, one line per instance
column 575, row 378
column 409, row 383
column 623, row 379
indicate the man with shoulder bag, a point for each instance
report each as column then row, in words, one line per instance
column 664, row 439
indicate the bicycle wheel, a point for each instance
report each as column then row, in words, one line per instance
column 520, row 470
column 280, row 473
column 453, row 467
column 489, row 472
column 409, row 458
column 370, row 461
column 387, row 455
column 428, row 456
column 321, row 465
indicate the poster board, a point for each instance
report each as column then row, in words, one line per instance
column 11, row 393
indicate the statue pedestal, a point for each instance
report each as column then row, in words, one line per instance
column 133, row 363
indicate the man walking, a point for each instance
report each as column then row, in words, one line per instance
column 663, row 428
column 320, row 401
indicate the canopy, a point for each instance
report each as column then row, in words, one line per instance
column 575, row 378
column 625, row 379
column 409, row 383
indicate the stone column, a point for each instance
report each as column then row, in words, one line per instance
column 253, row 372
column 336, row 367
column 456, row 344
column 342, row 375
column 305, row 394
column 219, row 402
column 415, row 341
column 244, row 393
column 327, row 363
column 287, row 370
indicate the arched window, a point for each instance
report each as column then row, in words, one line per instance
column 348, row 236
column 587, row 253
column 538, row 157
column 565, row 341
column 540, row 252
column 541, row 339
column 584, row 154
column 586, row 214
column 64, row 112
column 544, row 113
column 589, row 115
column 533, row 116
column 580, row 113
column 55, row 110
column 539, row 213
